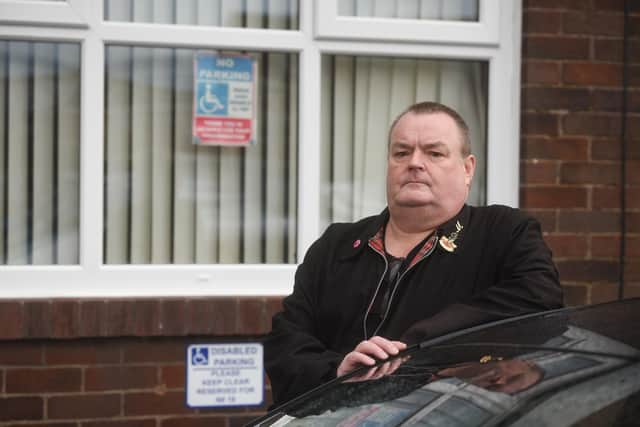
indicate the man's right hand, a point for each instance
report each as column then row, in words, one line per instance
column 364, row 354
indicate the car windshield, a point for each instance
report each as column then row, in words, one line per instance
column 494, row 374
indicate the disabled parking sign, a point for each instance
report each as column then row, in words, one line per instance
column 220, row 375
column 224, row 99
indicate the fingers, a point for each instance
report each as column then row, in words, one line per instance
column 366, row 353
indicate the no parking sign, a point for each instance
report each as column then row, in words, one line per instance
column 224, row 99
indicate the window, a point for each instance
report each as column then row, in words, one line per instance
column 105, row 194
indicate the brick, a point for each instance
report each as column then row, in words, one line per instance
column 21, row 408
column 65, row 318
column 614, row 5
column 252, row 317
column 591, row 124
column 541, row 22
column 632, row 270
column 610, row 50
column 605, row 197
column 632, row 175
column 173, row 376
column 631, row 291
column 593, row 23
column 133, row 317
column 173, row 317
column 556, row 4
column 212, row 316
column 592, row 74
column 634, row 75
column 274, row 305
column 536, row 172
column 633, row 126
column 589, row 173
column 541, row 72
column 589, row 221
column 588, row 270
column 42, row 424
column 89, row 352
column 169, row 403
column 23, row 353
column 554, row 47
column 563, row 148
column 153, row 350
column 609, row 198
column 546, row 218
column 633, row 222
column 37, row 318
column 575, row 295
column 11, row 319
column 138, row 422
column 120, row 378
column 609, row 246
column 45, row 380
column 83, row 406
column 565, row 245
column 605, row 149
column 540, row 124
column 606, row 100
column 214, row 421
column 604, row 292
column 556, row 98
column 553, row 197
column 93, row 318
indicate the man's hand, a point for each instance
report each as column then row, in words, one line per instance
column 364, row 353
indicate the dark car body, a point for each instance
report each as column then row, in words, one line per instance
column 570, row 367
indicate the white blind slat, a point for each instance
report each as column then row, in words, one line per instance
column 118, row 128
column 43, row 149
column 18, row 151
column 162, row 156
column 184, row 161
column 140, row 234
column 68, row 154
column 4, row 73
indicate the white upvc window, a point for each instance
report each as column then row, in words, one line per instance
column 103, row 193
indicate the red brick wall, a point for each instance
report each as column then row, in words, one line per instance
column 117, row 363
column 120, row 363
column 572, row 73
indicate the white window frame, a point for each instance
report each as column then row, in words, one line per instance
column 331, row 25
column 91, row 278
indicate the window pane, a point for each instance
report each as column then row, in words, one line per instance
column 39, row 152
column 276, row 14
column 360, row 98
column 170, row 201
column 448, row 10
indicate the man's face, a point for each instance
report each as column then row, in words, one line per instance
column 426, row 167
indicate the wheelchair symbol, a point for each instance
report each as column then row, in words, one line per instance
column 209, row 102
column 200, row 356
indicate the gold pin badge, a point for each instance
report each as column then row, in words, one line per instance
column 447, row 243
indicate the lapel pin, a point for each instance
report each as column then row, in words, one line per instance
column 447, row 243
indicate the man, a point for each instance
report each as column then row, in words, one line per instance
column 427, row 265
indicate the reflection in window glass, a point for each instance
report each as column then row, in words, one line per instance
column 275, row 14
column 360, row 98
column 39, row 152
column 448, row 10
column 170, row 201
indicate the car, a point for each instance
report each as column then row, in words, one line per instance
column 576, row 366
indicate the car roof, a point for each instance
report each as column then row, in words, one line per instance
column 566, row 343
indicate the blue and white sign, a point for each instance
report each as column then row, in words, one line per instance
column 221, row 375
column 224, row 99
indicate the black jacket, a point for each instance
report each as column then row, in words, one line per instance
column 500, row 268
